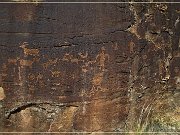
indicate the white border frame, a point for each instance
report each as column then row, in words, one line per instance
column 74, row 2
column 91, row 132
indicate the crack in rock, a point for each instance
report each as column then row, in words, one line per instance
column 31, row 104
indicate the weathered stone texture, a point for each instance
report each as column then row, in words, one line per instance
column 89, row 67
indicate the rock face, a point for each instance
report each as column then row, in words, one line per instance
column 89, row 67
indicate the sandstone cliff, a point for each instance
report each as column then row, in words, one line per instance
column 90, row 67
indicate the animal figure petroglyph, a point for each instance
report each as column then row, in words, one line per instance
column 69, row 58
column 27, row 63
column 75, row 60
column 49, row 63
column 32, row 52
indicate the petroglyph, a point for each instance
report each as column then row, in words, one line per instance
column 55, row 73
column 115, row 46
column 49, row 63
column 177, row 82
column 176, row 22
column 83, row 56
column 167, row 64
column 75, row 60
column 164, row 64
column 131, row 47
column 70, row 58
column 4, row 67
column 101, row 58
column 97, row 81
column 87, row 66
column 31, row 77
column 110, row 60
column 34, row 77
column 67, row 57
column 134, row 27
column 26, row 63
column 13, row 61
column 32, row 52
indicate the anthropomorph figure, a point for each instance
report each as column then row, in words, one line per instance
column 101, row 58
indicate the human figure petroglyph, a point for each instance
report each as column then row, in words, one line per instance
column 97, row 81
column 135, row 67
column 131, row 47
column 115, row 46
column 39, row 77
column 177, row 77
column 55, row 73
column 35, row 78
column 83, row 56
column 161, row 68
column 167, row 64
column 67, row 57
column 102, row 58
column 87, row 66
column 164, row 68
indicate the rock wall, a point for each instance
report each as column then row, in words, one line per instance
column 90, row 67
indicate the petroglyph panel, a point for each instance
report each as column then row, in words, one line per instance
column 89, row 67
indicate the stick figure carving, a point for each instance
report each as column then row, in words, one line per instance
column 97, row 81
column 102, row 58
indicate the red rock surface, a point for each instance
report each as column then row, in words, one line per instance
column 89, row 67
